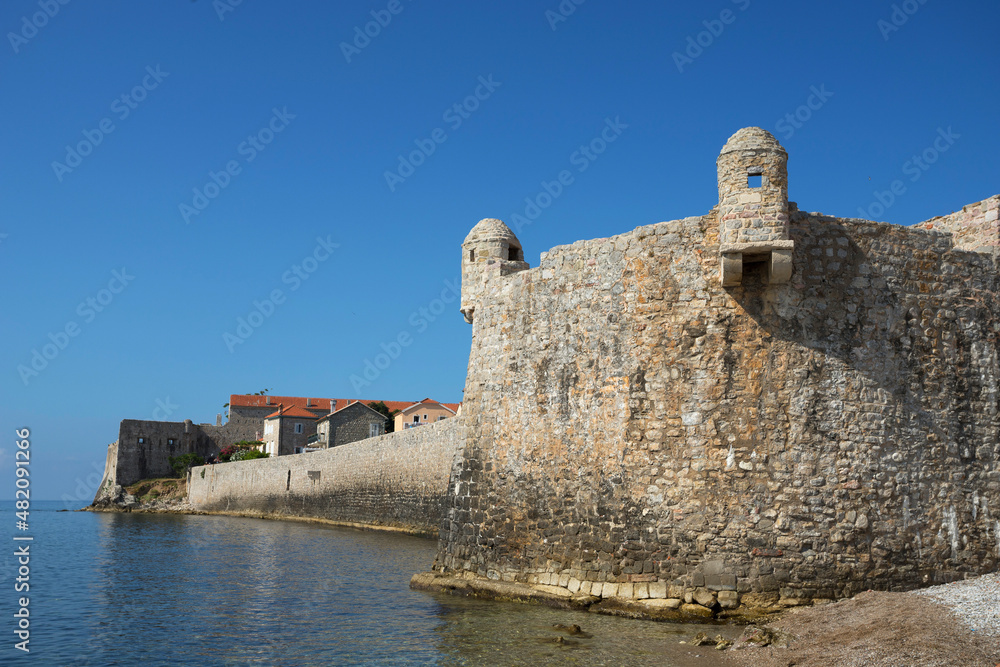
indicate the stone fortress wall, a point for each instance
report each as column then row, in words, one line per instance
column 639, row 431
column 129, row 461
column 397, row 481
column 973, row 228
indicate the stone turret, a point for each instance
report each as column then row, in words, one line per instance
column 491, row 250
column 753, row 206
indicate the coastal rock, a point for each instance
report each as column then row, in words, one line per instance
column 114, row 497
column 701, row 639
column 704, row 597
column 761, row 636
column 696, row 610
column 669, row 603
column 728, row 599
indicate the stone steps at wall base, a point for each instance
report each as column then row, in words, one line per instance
column 669, row 610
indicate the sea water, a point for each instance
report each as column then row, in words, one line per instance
column 166, row 589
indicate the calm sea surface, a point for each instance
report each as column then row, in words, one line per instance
column 153, row 589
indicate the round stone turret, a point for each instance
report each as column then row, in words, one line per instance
column 489, row 251
column 753, row 206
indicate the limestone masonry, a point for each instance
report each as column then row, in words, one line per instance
column 756, row 407
column 398, row 480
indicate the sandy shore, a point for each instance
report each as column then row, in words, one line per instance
column 888, row 629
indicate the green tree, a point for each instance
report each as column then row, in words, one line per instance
column 379, row 406
column 181, row 463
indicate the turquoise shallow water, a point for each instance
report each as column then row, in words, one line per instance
column 140, row 589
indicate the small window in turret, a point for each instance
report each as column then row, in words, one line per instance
column 755, row 180
column 512, row 254
column 472, row 255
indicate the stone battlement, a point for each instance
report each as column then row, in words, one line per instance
column 699, row 412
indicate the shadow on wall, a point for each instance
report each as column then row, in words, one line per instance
column 884, row 354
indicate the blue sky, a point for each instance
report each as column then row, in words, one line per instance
column 286, row 122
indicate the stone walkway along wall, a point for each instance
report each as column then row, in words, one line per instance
column 398, row 480
column 638, row 431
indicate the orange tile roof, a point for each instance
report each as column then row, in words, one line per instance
column 246, row 400
column 392, row 405
column 255, row 401
column 430, row 401
column 294, row 411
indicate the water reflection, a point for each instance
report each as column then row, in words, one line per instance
column 122, row 589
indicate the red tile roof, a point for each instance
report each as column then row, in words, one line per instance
column 451, row 406
column 346, row 405
column 246, row 400
column 342, row 403
column 320, row 404
column 294, row 411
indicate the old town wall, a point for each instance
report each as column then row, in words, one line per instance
column 638, row 431
column 398, row 480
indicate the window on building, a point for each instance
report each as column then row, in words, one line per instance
column 512, row 254
column 441, row 417
column 298, row 428
column 142, row 441
column 375, row 430
column 416, row 419
column 425, row 417
column 171, row 441
column 755, row 180
column 472, row 255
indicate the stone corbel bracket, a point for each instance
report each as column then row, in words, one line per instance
column 778, row 254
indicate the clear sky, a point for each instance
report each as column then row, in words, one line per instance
column 169, row 167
